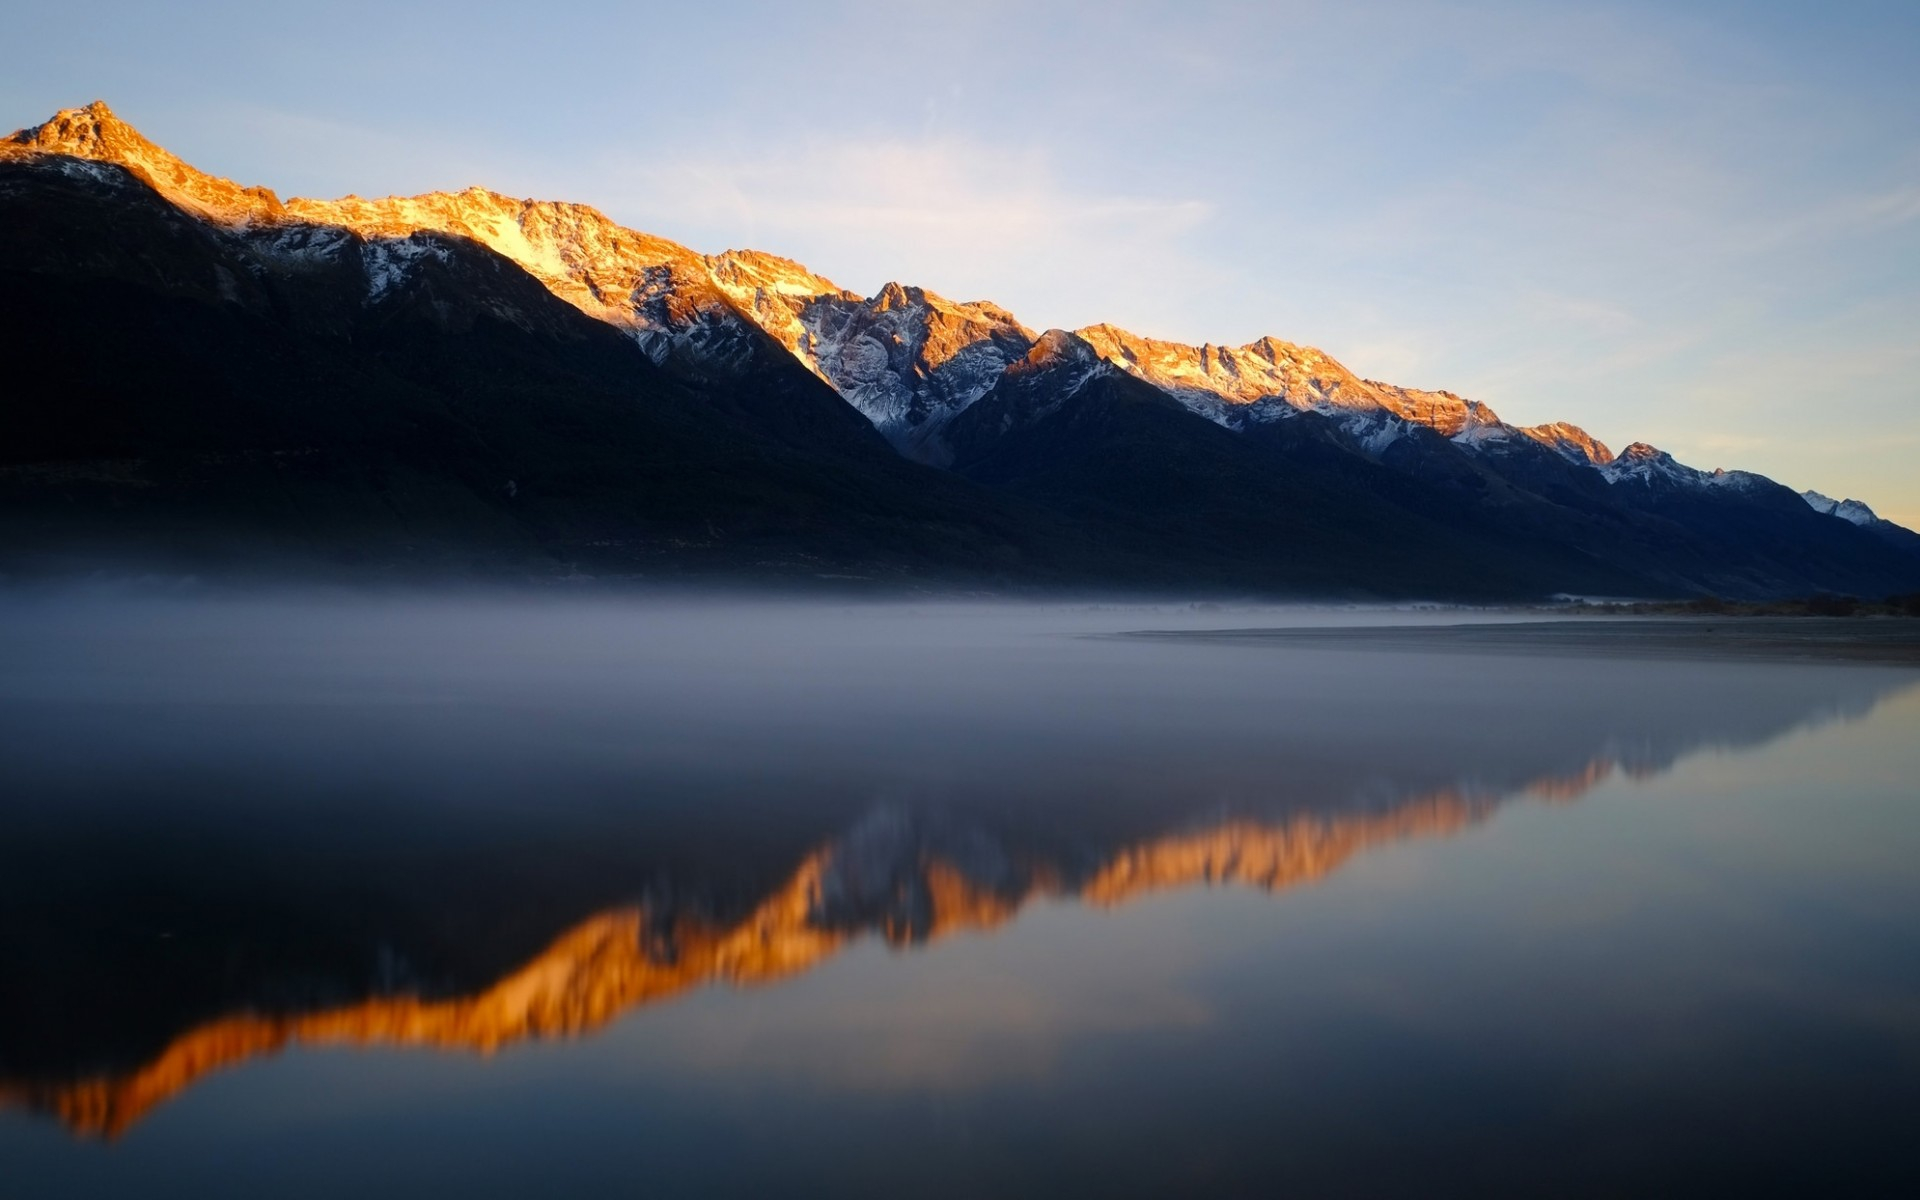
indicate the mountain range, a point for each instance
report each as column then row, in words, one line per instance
column 207, row 376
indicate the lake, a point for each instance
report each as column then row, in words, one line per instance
column 499, row 894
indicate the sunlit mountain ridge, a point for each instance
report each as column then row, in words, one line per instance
column 466, row 376
column 905, row 357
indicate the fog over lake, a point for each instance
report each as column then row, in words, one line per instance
column 508, row 893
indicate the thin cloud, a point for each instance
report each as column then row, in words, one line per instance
column 1858, row 215
column 967, row 219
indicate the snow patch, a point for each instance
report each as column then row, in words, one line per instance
column 1851, row 511
column 388, row 262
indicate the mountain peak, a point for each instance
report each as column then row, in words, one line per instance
column 1057, row 347
column 1851, row 511
column 1274, row 349
column 896, row 295
column 1647, row 465
column 758, row 269
column 1571, row 441
column 83, row 132
column 97, row 134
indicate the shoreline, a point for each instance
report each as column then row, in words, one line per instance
column 1877, row 641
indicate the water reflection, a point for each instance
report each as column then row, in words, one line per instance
column 472, row 827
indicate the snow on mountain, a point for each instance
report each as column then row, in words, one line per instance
column 1851, row 511
column 1224, row 382
column 1034, row 386
column 1272, row 379
column 1649, row 466
column 655, row 289
column 1074, row 359
column 906, row 358
column 910, row 360
column 772, row 291
column 1856, row 512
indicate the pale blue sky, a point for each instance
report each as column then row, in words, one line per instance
column 1694, row 224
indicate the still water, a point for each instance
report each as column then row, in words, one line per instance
column 365, row 896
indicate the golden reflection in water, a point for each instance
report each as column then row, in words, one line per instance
column 607, row 965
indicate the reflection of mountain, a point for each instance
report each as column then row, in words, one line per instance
column 908, row 875
column 892, row 875
column 232, row 828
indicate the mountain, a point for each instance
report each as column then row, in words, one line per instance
column 468, row 382
column 1856, row 513
column 203, row 374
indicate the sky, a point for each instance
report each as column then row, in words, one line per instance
column 1693, row 223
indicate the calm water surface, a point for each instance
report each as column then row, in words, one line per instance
column 496, row 896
